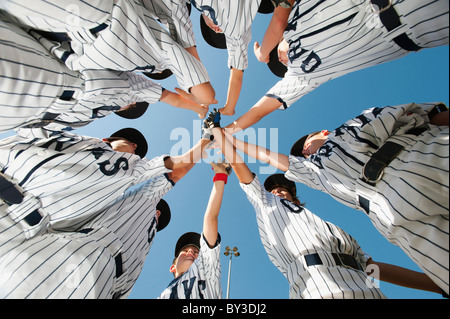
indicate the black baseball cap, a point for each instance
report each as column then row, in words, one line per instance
column 277, row 180
column 216, row 40
column 134, row 136
column 164, row 218
column 274, row 64
column 133, row 111
column 190, row 238
column 266, row 7
column 158, row 75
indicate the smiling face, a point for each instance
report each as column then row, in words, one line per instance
column 282, row 192
column 185, row 259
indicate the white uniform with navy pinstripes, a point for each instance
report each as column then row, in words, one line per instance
column 69, row 178
column 174, row 14
column 329, row 39
column 409, row 205
column 235, row 18
column 83, row 264
column 289, row 232
column 202, row 279
column 33, row 81
column 132, row 40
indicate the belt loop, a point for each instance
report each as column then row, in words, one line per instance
column 365, row 204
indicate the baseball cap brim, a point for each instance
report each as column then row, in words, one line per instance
column 158, row 75
column 216, row 40
column 186, row 239
column 297, row 148
column 276, row 180
column 266, row 7
column 164, row 218
column 277, row 68
column 133, row 112
column 134, row 136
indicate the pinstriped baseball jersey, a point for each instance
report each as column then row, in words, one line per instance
column 174, row 14
column 202, row 279
column 290, row 232
column 86, row 264
column 125, row 38
column 328, row 39
column 73, row 176
column 29, row 90
column 409, row 205
column 235, row 18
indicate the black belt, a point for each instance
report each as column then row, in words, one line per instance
column 11, row 195
column 63, row 36
column 340, row 259
column 391, row 20
column 373, row 170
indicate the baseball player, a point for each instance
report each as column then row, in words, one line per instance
column 38, row 91
column 66, row 224
column 196, row 266
column 391, row 163
column 227, row 25
column 119, row 35
column 327, row 41
column 319, row 259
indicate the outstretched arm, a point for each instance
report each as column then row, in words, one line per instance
column 277, row 160
column 182, row 164
column 234, row 90
column 404, row 277
column 263, row 107
column 211, row 218
column 241, row 169
column 177, row 100
column 274, row 33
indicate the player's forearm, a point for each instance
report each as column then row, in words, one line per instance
column 234, row 87
column 404, row 277
column 189, row 158
column 275, row 30
column 265, row 106
column 260, row 153
column 211, row 218
column 241, row 169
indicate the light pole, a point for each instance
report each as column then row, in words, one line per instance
column 230, row 252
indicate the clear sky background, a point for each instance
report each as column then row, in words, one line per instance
column 419, row 77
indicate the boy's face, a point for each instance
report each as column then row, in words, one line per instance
column 313, row 143
column 282, row 192
column 185, row 259
column 122, row 145
column 211, row 24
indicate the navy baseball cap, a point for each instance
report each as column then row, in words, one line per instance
column 274, row 64
column 133, row 111
column 164, row 218
column 134, row 136
column 158, row 75
column 216, row 40
column 277, row 180
column 266, row 7
column 186, row 239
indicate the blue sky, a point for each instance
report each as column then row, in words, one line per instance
column 419, row 77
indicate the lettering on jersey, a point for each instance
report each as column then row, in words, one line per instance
column 188, row 285
column 117, row 166
column 294, row 208
column 60, row 142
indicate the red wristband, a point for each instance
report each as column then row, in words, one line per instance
column 220, row 177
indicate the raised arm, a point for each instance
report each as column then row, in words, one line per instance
column 241, row 169
column 263, row 107
column 403, row 277
column 211, row 218
column 277, row 160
